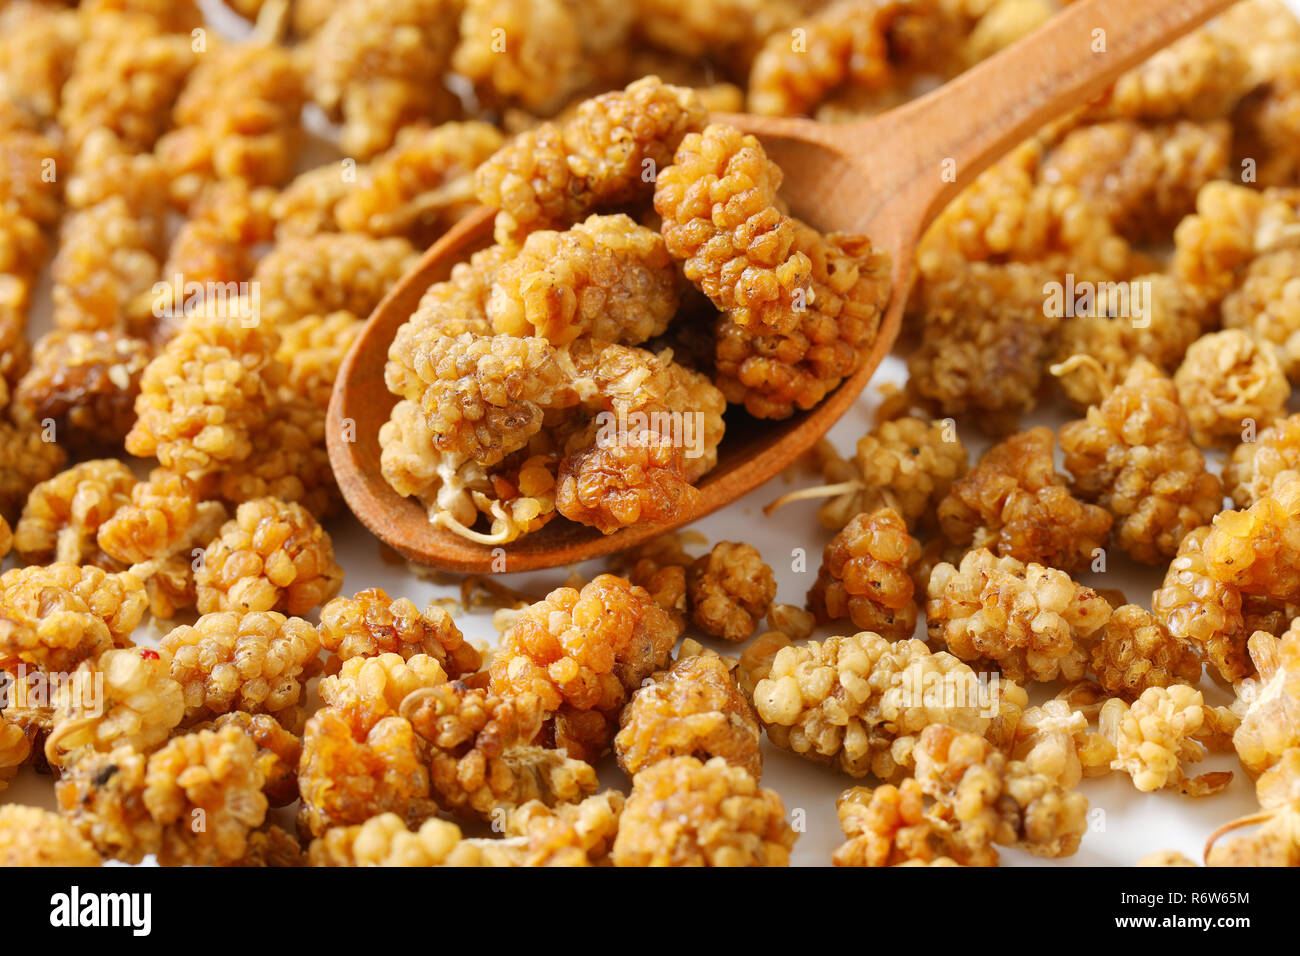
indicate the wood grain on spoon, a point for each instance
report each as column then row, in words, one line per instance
column 883, row 177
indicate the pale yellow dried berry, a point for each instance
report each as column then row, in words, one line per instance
column 1033, row 622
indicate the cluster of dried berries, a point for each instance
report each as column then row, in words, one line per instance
column 646, row 274
column 1014, row 503
column 864, row 576
column 1132, row 454
column 696, row 709
column 481, row 756
column 859, row 702
column 1157, row 734
column 906, row 463
column 1033, row 622
column 371, row 623
column 977, row 798
column 519, row 387
column 583, row 653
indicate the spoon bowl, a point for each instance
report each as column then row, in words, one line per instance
column 886, row 177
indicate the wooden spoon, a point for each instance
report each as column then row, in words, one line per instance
column 887, row 177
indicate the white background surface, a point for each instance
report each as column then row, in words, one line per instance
column 1125, row 824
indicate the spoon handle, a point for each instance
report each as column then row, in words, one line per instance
column 943, row 140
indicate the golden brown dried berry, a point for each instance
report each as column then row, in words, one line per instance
column 858, row 702
column 384, row 840
column 128, row 806
column 993, row 800
column 354, row 767
column 984, row 339
column 1144, row 177
column 907, row 464
column 378, row 65
column 1209, row 614
column 1257, row 550
column 483, row 397
column 1257, row 467
column 730, row 590
column 125, row 77
column 330, row 272
column 606, row 277
column 257, row 661
column 271, row 847
column 693, row 709
column 212, row 386
column 125, row 697
column 58, row 615
column 30, row 836
column 238, row 118
column 538, row 53
column 26, row 459
column 371, row 623
column 419, row 187
column 482, row 760
column 62, row 516
column 271, row 556
column 1229, row 383
column 1232, row 225
column 1155, row 735
column 87, row 383
column 891, row 826
column 312, row 349
column 1269, row 705
column 212, row 775
column 864, row 576
column 102, row 795
column 1267, row 305
column 686, row 813
column 1136, row 652
column 278, row 751
column 1201, row 76
column 1132, row 455
column 1015, row 503
column 1153, row 317
column 555, row 175
column 584, row 652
